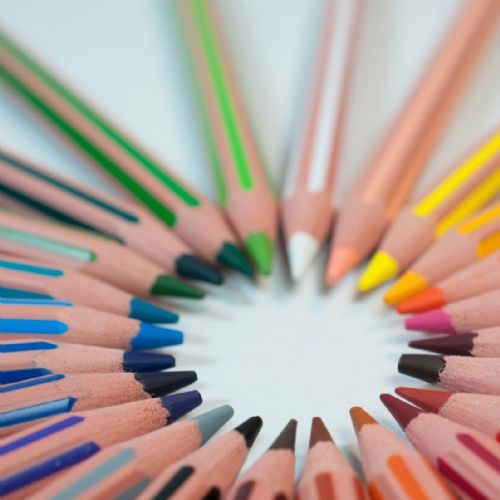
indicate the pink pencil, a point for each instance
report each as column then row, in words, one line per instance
column 458, row 373
column 469, row 459
column 482, row 311
column 478, row 411
column 33, row 456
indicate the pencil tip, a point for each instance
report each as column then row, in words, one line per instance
column 435, row 321
column 134, row 361
column 426, row 367
column 341, row 261
column 301, row 250
column 232, row 257
column 403, row 412
column 153, row 337
column 250, row 429
column 424, row 398
column 286, row 438
column 166, row 284
column 160, row 383
column 260, row 248
column 211, row 421
column 407, row 286
column 360, row 418
column 189, row 266
column 178, row 405
column 319, row 432
column 145, row 311
column 459, row 345
column 381, row 268
column 431, row 298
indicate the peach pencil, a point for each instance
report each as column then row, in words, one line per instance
column 36, row 188
column 481, row 277
column 239, row 172
column 127, row 468
column 465, row 316
column 326, row 474
column 458, row 373
column 31, row 358
column 461, row 192
column 176, row 204
column 29, row 401
column 40, row 452
column 307, row 198
column 30, row 279
column 209, row 471
column 108, row 260
column 478, row 411
column 481, row 344
column 468, row 459
column 461, row 246
column 272, row 475
column 394, row 469
column 21, row 319
column 385, row 184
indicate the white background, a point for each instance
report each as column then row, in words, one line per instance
column 268, row 348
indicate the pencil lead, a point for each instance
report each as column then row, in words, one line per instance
column 402, row 412
column 250, row 429
column 426, row 399
column 459, row 345
column 160, row 383
column 431, row 298
column 319, row 432
column 436, row 321
column 169, row 285
column 341, row 261
column 360, row 418
column 178, row 405
column 189, row 266
column 211, row 421
column 153, row 337
column 381, row 268
column 145, row 311
column 147, row 361
column 231, row 256
column 286, row 438
column 301, row 250
column 407, row 286
column 260, row 248
column 426, row 367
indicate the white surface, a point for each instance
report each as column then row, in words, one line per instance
column 271, row 349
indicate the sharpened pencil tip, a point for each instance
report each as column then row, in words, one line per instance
column 301, row 250
column 381, row 268
column 341, row 261
column 145, row 311
column 147, row 361
column 434, row 321
column 260, row 248
column 360, row 418
column 153, row 337
column 424, row 398
column 319, row 432
column 402, row 412
column 232, row 257
column 211, row 421
column 458, row 345
column 407, row 286
column 431, row 298
column 286, row 438
column 250, row 429
column 178, row 405
column 160, row 383
column 169, row 285
column 426, row 367
column 189, row 266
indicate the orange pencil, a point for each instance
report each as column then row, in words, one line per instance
column 209, row 471
column 393, row 469
column 272, row 475
column 326, row 474
column 475, row 239
column 385, row 184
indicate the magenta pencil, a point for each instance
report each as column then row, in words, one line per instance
column 478, row 411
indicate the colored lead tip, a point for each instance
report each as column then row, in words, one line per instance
column 435, row 321
column 381, row 268
column 159, row 383
column 147, row 361
column 407, row 286
column 459, row 345
column 424, row 301
column 424, row 398
column 360, row 418
column 319, row 432
column 145, row 311
column 286, row 438
column 402, row 412
column 231, row 256
column 341, row 261
column 211, row 421
column 250, row 429
column 166, row 284
column 178, row 405
column 425, row 367
column 260, row 248
column 153, row 337
column 189, row 266
column 301, row 250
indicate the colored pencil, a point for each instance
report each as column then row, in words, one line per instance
column 30, row 279
column 393, row 469
column 384, row 185
column 25, row 359
column 307, row 200
column 102, row 258
column 37, row 188
column 188, row 213
column 127, row 468
column 481, row 344
column 458, row 373
column 44, row 450
column 51, row 320
column 470, row 460
column 326, row 474
column 209, row 471
column 482, row 311
column 30, row 401
column 481, row 277
column 475, row 239
column 242, row 186
column 272, row 475
column 465, row 189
